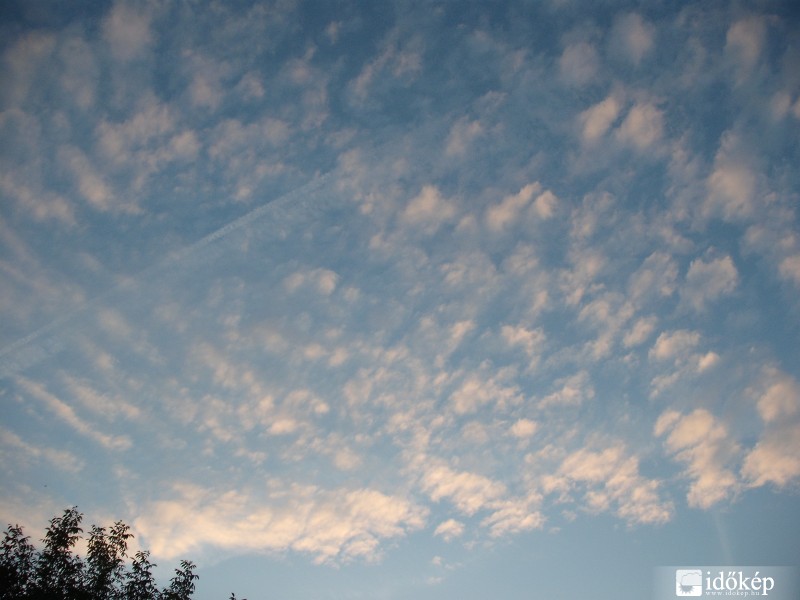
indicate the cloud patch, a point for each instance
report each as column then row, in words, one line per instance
column 642, row 127
column 632, row 37
column 429, row 210
column 598, row 119
column 775, row 459
column 337, row 525
column 127, row 31
column 610, row 480
column 703, row 443
column 708, row 280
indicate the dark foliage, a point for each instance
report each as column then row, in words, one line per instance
column 56, row 572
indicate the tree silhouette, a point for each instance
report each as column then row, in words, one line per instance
column 16, row 565
column 57, row 573
column 105, row 563
column 139, row 582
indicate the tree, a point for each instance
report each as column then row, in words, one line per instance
column 56, row 573
column 139, row 582
column 182, row 585
column 16, row 565
column 59, row 573
column 106, row 561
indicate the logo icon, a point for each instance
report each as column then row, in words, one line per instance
column 688, row 582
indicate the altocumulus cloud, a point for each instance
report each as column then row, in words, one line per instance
column 337, row 286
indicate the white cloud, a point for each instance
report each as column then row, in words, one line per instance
column 703, row 444
column 732, row 185
column 632, row 37
column 184, row 144
column 324, row 281
column 524, row 428
column 127, row 30
column 334, row 525
column 449, row 529
column 333, row 30
column 41, row 204
column 707, row 281
column 250, row 86
column 469, row 492
column 608, row 313
column 461, row 136
column 598, row 119
column 612, row 481
column 500, row 215
column 642, row 126
column 283, row 426
column 512, row 208
column 401, row 58
column 587, row 265
column 109, row 407
column 23, row 59
column 531, row 340
column 677, row 348
column 120, row 140
column 790, row 269
column 655, row 279
column 707, row 361
column 731, row 188
column 458, row 331
column 418, row 346
column 429, row 209
column 775, row 459
column 346, row 459
column 12, row 446
column 780, row 399
column 780, row 105
column 477, row 391
column 91, row 184
column 475, row 433
column 112, row 322
column 544, row 207
column 639, row 332
column 206, row 91
column 80, row 72
column 674, row 345
column 305, row 401
column 573, row 390
column 471, row 271
column 149, row 141
column 597, row 210
column 578, row 64
column 744, row 43
column 509, row 517
column 233, row 142
column 593, row 467
column 67, row 414
column 224, row 370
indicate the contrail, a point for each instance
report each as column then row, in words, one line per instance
column 285, row 212
column 286, row 208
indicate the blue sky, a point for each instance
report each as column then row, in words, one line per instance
column 413, row 299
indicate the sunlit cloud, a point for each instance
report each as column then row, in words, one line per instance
column 335, row 287
column 703, row 443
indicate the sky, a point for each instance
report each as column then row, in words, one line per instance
column 393, row 300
